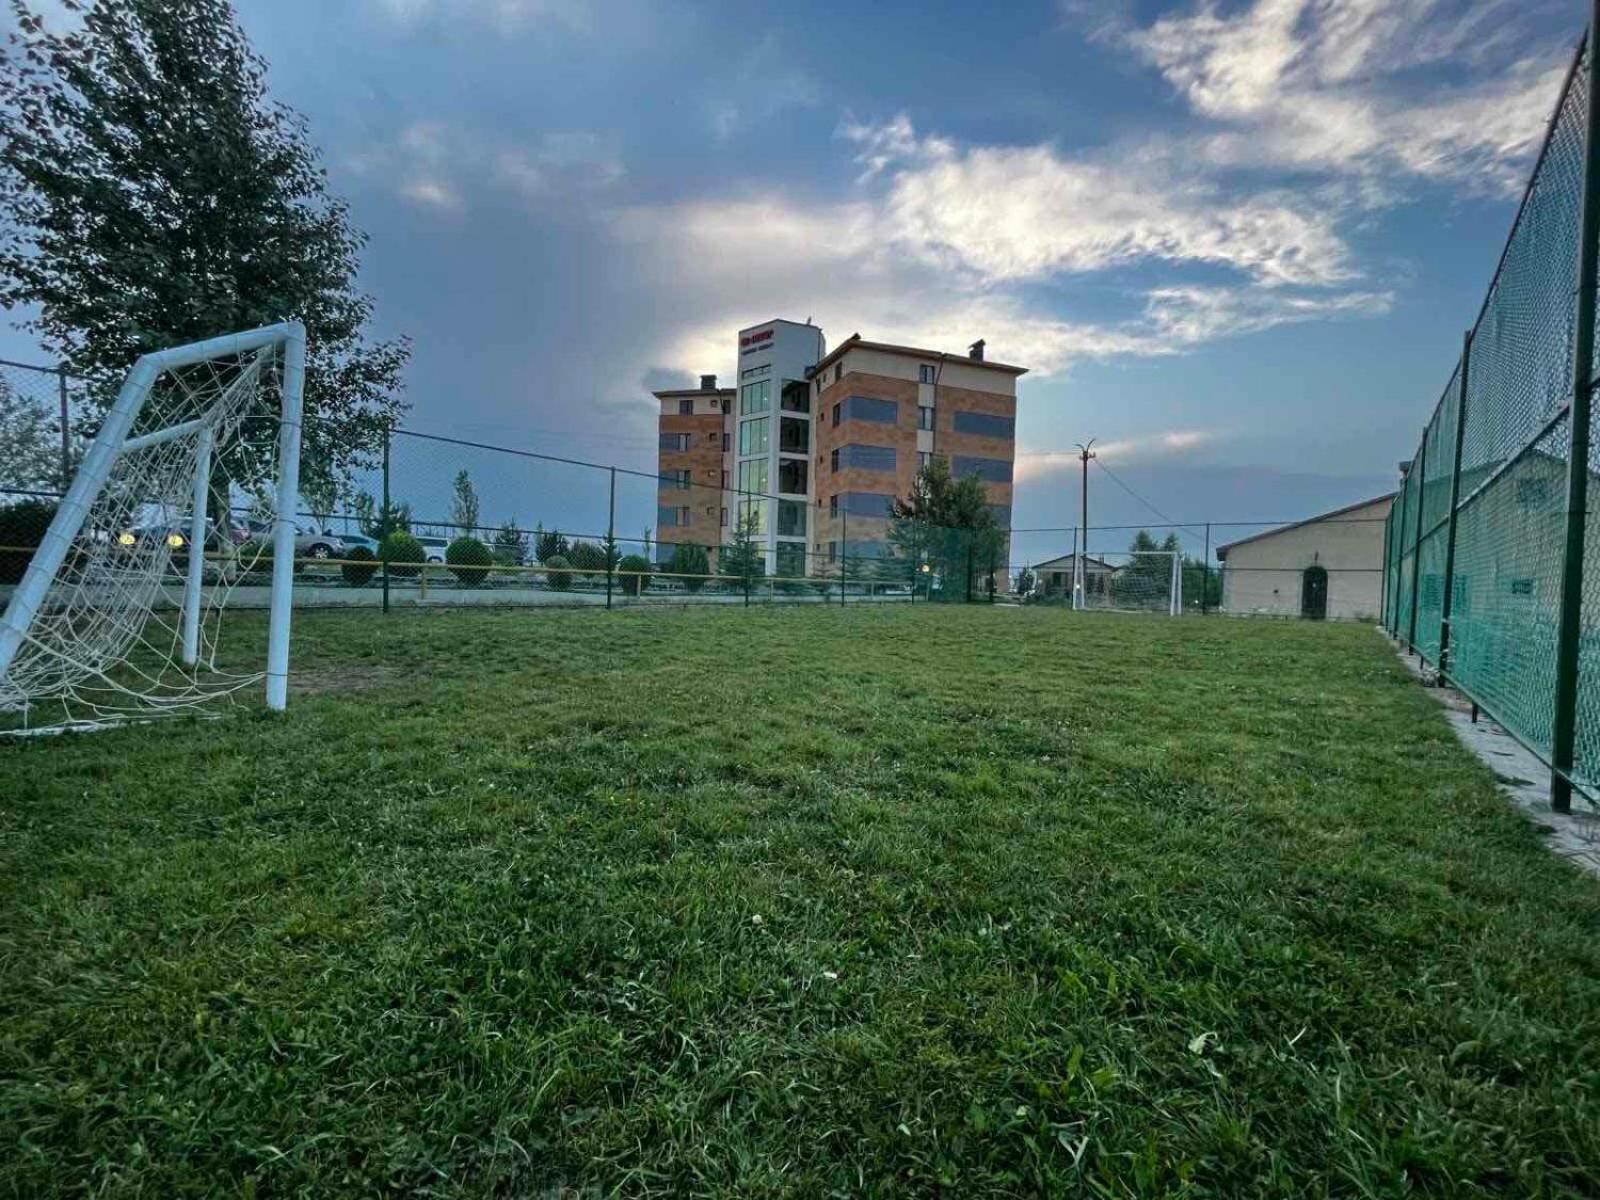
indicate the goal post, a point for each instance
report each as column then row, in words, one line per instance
column 95, row 581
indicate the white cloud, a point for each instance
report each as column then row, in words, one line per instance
column 506, row 16
column 1163, row 444
column 437, row 165
column 1331, row 85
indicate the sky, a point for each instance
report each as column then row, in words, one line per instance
column 1237, row 243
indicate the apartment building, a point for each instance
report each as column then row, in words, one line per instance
column 815, row 445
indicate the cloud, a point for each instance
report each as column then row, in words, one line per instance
column 438, row 165
column 506, row 16
column 1163, row 444
column 1335, row 87
column 763, row 83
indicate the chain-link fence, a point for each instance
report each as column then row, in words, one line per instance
column 1485, row 548
column 43, row 412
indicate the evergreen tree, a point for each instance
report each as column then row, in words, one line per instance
column 510, row 545
column 464, row 504
column 153, row 194
column 547, row 543
column 30, row 445
column 947, row 523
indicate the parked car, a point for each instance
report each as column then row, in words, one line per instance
column 359, row 541
column 434, row 547
column 314, row 541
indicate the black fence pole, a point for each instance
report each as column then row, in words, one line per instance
column 1205, row 574
column 385, row 515
column 66, row 443
column 1421, row 467
column 611, row 536
column 1455, row 498
column 1564, row 726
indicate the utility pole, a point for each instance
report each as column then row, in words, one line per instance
column 1081, row 574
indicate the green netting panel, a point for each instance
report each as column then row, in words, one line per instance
column 1440, row 444
column 1522, row 345
column 1507, row 589
column 1390, row 560
column 1430, row 593
column 1403, row 613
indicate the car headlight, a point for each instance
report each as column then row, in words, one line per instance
column 126, row 539
column 175, row 540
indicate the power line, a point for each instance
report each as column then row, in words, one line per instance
column 1117, row 480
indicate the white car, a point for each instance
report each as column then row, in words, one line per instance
column 434, row 547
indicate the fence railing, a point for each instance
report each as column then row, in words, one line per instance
column 1491, row 574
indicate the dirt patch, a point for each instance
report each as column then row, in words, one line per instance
column 321, row 681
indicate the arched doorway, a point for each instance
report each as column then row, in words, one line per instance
column 1314, row 593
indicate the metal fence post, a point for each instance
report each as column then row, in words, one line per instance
column 1564, row 725
column 1205, row 573
column 1421, row 467
column 66, row 444
column 384, row 513
column 611, row 536
column 1445, row 604
column 844, row 553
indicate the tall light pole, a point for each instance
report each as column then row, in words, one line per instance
column 1081, row 575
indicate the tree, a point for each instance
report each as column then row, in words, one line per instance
column 378, row 522
column 510, row 545
column 153, row 194
column 30, row 446
column 692, row 564
column 1023, row 584
column 946, row 523
column 1146, row 579
column 744, row 558
column 464, row 506
column 547, row 543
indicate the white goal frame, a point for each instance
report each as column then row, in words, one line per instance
column 113, row 442
column 1083, row 597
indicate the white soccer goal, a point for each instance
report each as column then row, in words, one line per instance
column 119, row 611
column 1136, row 581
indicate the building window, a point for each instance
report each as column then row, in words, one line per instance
column 925, row 373
column 726, row 438
column 925, row 417
column 792, row 473
column 865, row 458
column 791, row 518
column 724, row 518
column 686, row 408
column 836, row 408
column 712, row 437
column 673, row 515
column 833, row 551
column 869, row 408
column 755, row 513
column 794, row 435
column 724, row 479
column 753, row 476
column 791, row 561
column 755, row 372
column 985, row 425
column 838, row 371
column 674, row 441
column 753, row 435
column 795, row 398
column 990, row 470
column 875, row 505
column 755, row 397
column 676, row 478
column 923, row 456
column 833, row 506
column 834, row 460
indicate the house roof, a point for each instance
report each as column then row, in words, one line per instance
column 1067, row 559
column 684, row 393
column 1222, row 551
column 856, row 342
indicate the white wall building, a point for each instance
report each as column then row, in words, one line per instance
column 1328, row 566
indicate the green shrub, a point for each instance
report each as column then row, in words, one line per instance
column 468, row 560
column 400, row 547
column 22, row 524
column 693, row 563
column 557, row 575
column 586, row 556
column 360, row 566
column 634, row 572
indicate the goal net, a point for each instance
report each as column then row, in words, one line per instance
column 1135, row 581
column 118, row 613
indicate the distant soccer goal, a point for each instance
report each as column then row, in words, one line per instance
column 118, row 613
column 1136, row 581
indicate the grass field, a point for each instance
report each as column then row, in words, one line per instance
column 797, row 902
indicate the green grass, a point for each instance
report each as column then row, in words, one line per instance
column 797, row 902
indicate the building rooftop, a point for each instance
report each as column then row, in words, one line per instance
column 1222, row 551
column 856, row 342
column 677, row 393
